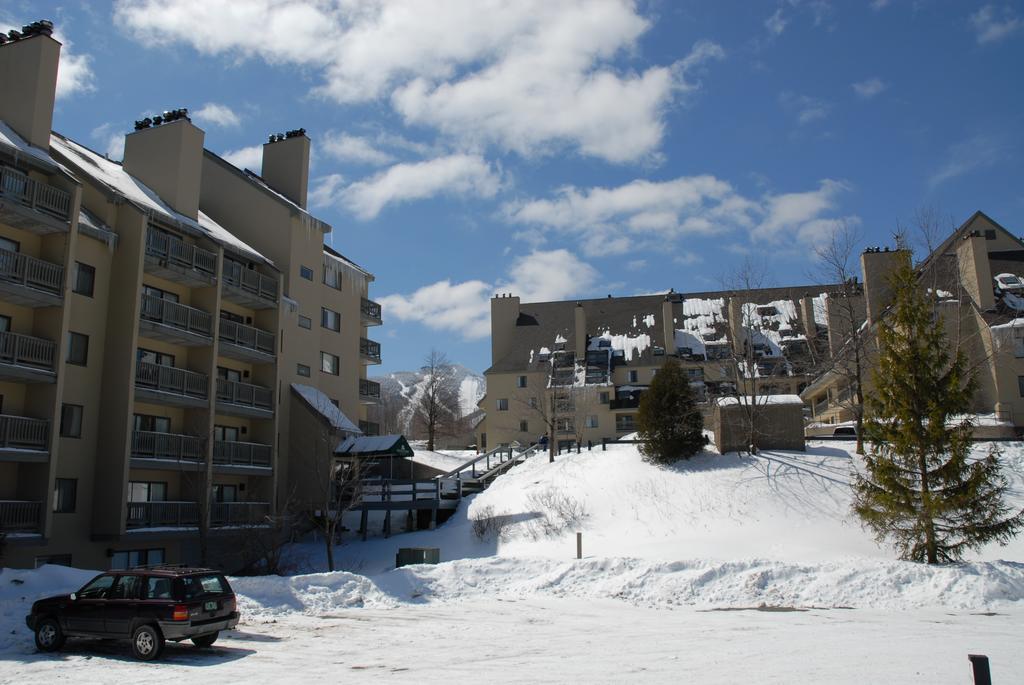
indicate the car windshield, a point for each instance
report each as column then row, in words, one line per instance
column 1009, row 280
column 96, row 588
column 200, row 586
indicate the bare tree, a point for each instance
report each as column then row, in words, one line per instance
column 540, row 403
column 584, row 400
column 437, row 408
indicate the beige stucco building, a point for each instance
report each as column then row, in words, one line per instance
column 159, row 320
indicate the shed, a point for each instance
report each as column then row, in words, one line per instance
column 378, row 454
column 778, row 422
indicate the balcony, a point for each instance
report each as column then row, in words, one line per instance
column 248, row 287
column 167, row 447
column 251, row 454
column 622, row 426
column 186, row 514
column 370, row 312
column 32, row 205
column 243, row 399
column 171, row 385
column 20, row 517
column 626, row 402
column 369, row 427
column 246, row 343
column 24, row 439
column 172, row 258
column 369, row 351
column 174, row 322
column 30, row 282
column 27, row 359
column 369, row 391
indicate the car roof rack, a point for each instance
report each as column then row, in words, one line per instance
column 170, row 567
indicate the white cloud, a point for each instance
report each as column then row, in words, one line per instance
column 74, row 71
column 214, row 114
column 776, row 23
column 246, row 158
column 977, row 152
column 992, row 25
column 879, row 4
column 326, row 190
column 796, row 212
column 110, row 139
column 869, row 88
column 356, row 149
column 464, row 307
column 636, row 264
column 462, row 175
column 525, row 75
column 807, row 109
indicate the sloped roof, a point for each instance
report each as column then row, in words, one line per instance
column 375, row 446
column 322, row 405
column 18, row 146
column 334, row 254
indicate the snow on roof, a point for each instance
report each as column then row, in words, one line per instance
column 694, row 342
column 820, row 302
column 90, row 224
column 759, row 400
column 372, row 443
column 112, row 175
column 627, row 344
column 646, row 319
column 9, row 138
column 700, row 317
column 258, row 180
column 335, row 260
column 322, row 404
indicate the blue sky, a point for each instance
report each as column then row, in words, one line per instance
column 573, row 149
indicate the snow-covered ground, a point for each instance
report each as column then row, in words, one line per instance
column 720, row 569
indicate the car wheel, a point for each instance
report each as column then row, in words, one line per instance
column 205, row 640
column 49, row 636
column 147, row 643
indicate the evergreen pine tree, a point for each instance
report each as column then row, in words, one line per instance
column 920, row 489
column 669, row 422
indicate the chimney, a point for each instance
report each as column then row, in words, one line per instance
column 668, row 326
column 28, row 81
column 807, row 315
column 877, row 266
column 504, row 314
column 581, row 332
column 286, row 165
column 975, row 271
column 166, row 153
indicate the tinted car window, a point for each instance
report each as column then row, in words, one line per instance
column 198, row 586
column 97, row 588
column 158, row 588
column 127, row 587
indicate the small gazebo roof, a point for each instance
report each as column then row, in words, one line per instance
column 374, row 446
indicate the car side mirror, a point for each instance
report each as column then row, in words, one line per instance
column 74, row 596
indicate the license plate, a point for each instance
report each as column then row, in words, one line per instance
column 211, row 606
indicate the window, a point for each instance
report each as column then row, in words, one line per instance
column 625, row 423
column 603, row 397
column 152, row 424
column 225, row 493
column 332, row 278
column 5, row 324
column 127, row 587
column 227, row 374
column 161, row 358
column 632, row 376
column 71, row 421
column 502, row 404
column 225, row 433
column 329, row 363
column 156, row 588
column 198, row 586
column 565, row 426
column 533, row 403
column 231, row 316
column 64, row 495
column 147, row 491
column 78, row 349
column 10, row 245
column 306, row 273
column 524, row 427
column 305, row 322
column 302, row 370
column 330, row 319
column 521, row 382
column 97, row 589
column 592, row 421
column 990, row 234
column 159, row 294
column 85, row 279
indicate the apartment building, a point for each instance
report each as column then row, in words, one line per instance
column 583, row 366
column 163, row 323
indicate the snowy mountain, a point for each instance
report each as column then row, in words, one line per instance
column 402, row 388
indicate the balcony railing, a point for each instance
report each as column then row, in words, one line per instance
column 24, row 350
column 21, row 433
column 41, row 197
column 244, row 394
column 241, row 454
column 173, row 250
column 624, row 403
column 370, row 311
column 171, row 379
column 151, row 445
column 369, row 350
column 176, row 315
column 186, row 514
column 369, row 390
column 246, row 336
column 250, row 280
column 31, row 272
column 18, row 516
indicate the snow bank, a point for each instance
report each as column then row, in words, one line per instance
column 312, row 594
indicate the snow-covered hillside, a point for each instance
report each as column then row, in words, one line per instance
column 404, row 388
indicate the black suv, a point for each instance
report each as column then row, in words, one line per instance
column 146, row 605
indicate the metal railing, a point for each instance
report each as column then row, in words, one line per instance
column 370, row 309
column 244, row 394
column 176, row 315
column 19, row 432
column 624, row 403
column 20, row 516
column 241, row 453
column 186, row 514
column 369, row 349
column 369, row 389
column 173, row 250
column 41, row 197
column 237, row 513
column 171, row 379
column 250, row 280
column 246, row 336
column 24, row 350
column 31, row 272
column 151, row 445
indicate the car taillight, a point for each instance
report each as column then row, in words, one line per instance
column 180, row 613
column 230, row 604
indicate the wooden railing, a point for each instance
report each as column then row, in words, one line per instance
column 41, row 197
column 241, row 453
column 31, row 272
column 24, row 350
column 239, row 513
column 250, row 280
column 186, row 514
column 369, row 349
column 19, row 432
column 246, row 336
column 173, row 250
column 484, row 464
column 176, row 315
column 370, row 310
column 171, row 379
column 18, row 516
column 244, row 394
column 369, row 390
column 151, row 445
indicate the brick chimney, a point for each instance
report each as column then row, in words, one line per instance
column 168, row 157
column 28, row 82
column 286, row 165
